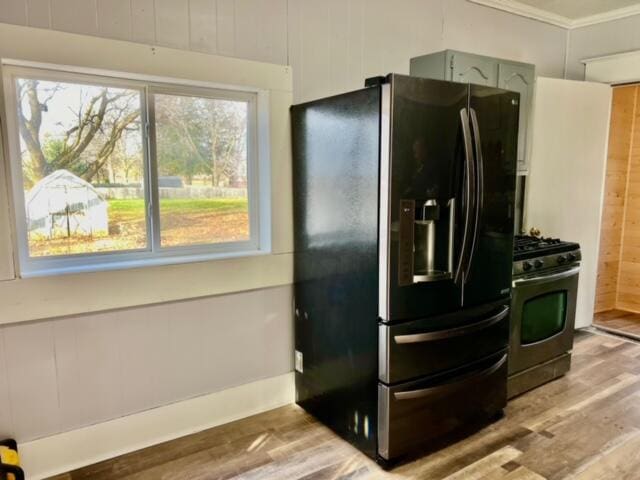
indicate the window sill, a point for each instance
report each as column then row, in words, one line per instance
column 140, row 263
column 51, row 296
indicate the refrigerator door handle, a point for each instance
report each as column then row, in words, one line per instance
column 479, row 191
column 451, row 386
column 466, row 133
column 453, row 332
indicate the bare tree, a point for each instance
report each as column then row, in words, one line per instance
column 30, row 128
column 211, row 135
column 103, row 119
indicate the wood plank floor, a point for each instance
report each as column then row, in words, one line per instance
column 585, row 425
column 618, row 321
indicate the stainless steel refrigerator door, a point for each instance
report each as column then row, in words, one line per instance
column 425, row 196
column 493, row 116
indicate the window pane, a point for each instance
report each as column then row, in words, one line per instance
column 201, row 150
column 82, row 166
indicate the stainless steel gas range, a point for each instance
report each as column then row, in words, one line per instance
column 543, row 308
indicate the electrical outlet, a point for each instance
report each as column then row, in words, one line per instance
column 299, row 362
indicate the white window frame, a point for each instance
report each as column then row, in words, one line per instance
column 153, row 254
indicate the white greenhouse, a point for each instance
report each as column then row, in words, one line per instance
column 64, row 205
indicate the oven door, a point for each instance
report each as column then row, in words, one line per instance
column 543, row 312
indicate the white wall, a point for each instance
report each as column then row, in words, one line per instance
column 252, row 29
column 332, row 46
column 61, row 374
column 601, row 39
column 565, row 187
column 115, row 345
column 335, row 44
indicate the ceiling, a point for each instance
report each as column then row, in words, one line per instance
column 568, row 13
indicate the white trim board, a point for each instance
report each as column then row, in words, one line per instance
column 68, row 451
column 27, row 299
column 613, row 69
column 525, row 10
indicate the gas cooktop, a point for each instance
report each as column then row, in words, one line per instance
column 540, row 253
column 526, row 246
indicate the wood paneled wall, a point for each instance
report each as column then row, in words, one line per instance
column 619, row 261
column 622, row 116
column 629, row 277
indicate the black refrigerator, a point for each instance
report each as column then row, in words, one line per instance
column 403, row 226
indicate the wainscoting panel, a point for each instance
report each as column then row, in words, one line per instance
column 63, row 374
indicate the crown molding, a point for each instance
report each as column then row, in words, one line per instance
column 525, row 10
column 606, row 16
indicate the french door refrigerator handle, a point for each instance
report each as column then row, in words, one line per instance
column 455, row 384
column 466, row 133
column 453, row 332
column 479, row 167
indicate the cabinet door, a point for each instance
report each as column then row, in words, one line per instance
column 473, row 69
column 519, row 78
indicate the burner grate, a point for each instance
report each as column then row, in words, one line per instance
column 529, row 246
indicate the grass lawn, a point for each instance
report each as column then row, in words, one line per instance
column 182, row 222
column 126, row 208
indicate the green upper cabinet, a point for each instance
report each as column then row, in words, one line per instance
column 481, row 70
column 466, row 68
column 519, row 78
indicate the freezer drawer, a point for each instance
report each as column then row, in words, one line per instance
column 413, row 414
column 425, row 347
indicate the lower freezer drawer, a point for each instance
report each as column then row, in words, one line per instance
column 420, row 348
column 416, row 413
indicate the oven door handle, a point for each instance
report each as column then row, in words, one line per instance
column 546, row 278
column 453, row 332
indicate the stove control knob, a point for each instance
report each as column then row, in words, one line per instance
column 571, row 257
column 562, row 259
column 526, row 266
column 538, row 263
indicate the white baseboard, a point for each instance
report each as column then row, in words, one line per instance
column 67, row 451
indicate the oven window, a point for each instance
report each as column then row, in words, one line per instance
column 543, row 316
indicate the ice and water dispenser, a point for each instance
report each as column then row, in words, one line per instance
column 426, row 240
